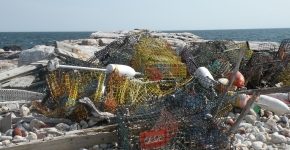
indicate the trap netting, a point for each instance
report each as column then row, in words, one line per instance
column 186, row 118
column 268, row 67
column 65, row 88
column 218, row 56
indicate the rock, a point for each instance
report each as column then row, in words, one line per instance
column 96, row 147
column 83, row 149
column 41, row 136
column 247, row 143
column 277, row 139
column 284, row 119
column 2, row 138
column 37, row 124
column 91, row 123
column 24, row 133
column 103, row 145
column 17, row 137
column 12, row 106
column 261, row 137
column 84, row 124
column 271, row 122
column 275, row 129
column 245, row 125
column 17, row 131
column 12, row 48
column 250, row 119
column 284, row 131
column 5, row 66
column 62, row 127
column 4, row 109
column 106, row 35
column 24, row 111
column 38, row 52
column 114, row 144
column 89, row 42
column 74, row 126
column 6, row 142
column 105, row 42
column 251, row 137
column 2, row 50
column 9, row 132
column 277, row 118
column 262, row 129
column 258, row 145
column 239, row 137
column 26, row 125
column 31, row 136
column 259, row 124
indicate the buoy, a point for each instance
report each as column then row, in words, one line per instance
column 241, row 100
column 272, row 104
column 239, row 80
column 123, row 70
column 204, row 77
column 280, row 96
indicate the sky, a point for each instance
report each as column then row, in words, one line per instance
column 109, row 15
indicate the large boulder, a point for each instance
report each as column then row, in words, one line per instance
column 38, row 52
column 12, row 48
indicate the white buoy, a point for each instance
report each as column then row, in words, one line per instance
column 123, row 70
column 204, row 77
column 281, row 96
column 272, row 104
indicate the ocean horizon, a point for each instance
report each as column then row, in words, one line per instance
column 29, row 39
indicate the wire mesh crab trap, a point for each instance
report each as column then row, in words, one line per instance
column 184, row 119
column 267, row 67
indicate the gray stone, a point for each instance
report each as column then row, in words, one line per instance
column 277, row 118
column 284, row 119
column 239, row 137
column 83, row 149
column 31, row 136
column 2, row 138
column 105, row 42
column 271, row 122
column 12, row 106
column 103, row 145
column 62, row 127
column 91, row 123
column 38, row 52
column 36, row 124
column 258, row 145
column 259, row 124
column 17, row 137
column 9, row 132
column 247, row 143
column 6, row 142
column 26, row 125
column 74, row 126
column 24, row 111
column 252, row 137
column 261, row 137
column 245, row 125
column 277, row 139
column 262, row 129
column 96, row 147
column 89, row 42
column 250, row 119
column 275, row 128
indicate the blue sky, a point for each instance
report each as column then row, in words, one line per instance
column 107, row 15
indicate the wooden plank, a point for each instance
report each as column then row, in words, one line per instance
column 68, row 142
column 20, row 82
column 23, row 69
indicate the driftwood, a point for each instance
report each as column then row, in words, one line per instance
column 20, row 82
column 72, row 140
column 45, row 120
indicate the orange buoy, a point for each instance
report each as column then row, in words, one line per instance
column 239, row 80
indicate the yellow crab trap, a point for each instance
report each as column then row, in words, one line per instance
column 65, row 88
